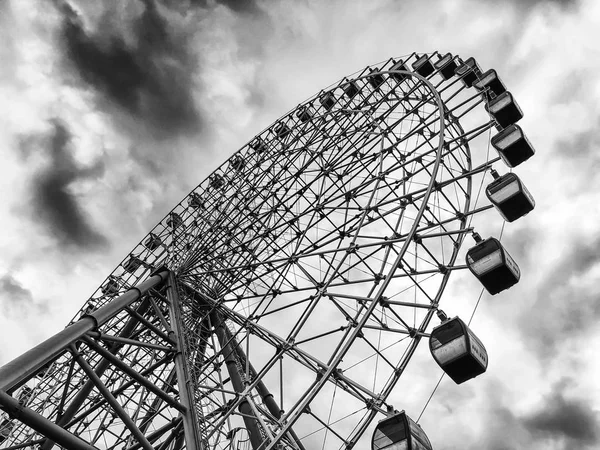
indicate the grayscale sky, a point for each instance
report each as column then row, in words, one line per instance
column 92, row 157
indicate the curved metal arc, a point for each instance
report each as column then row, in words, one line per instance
column 293, row 416
column 395, row 377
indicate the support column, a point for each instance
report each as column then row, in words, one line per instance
column 104, row 364
column 29, row 363
column 186, row 398
column 262, row 389
column 227, row 348
column 42, row 425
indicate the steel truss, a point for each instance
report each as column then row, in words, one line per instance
column 247, row 317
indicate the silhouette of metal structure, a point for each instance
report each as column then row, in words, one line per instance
column 279, row 303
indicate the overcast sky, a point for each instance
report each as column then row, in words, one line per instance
column 92, row 158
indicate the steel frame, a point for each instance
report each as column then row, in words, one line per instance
column 356, row 212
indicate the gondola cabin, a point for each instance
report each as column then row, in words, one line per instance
column 469, row 72
column 510, row 197
column 174, row 220
column 399, row 76
column 24, row 395
column 491, row 82
column 505, row 110
column 90, row 307
column 327, row 100
column 493, row 266
column 237, row 162
column 304, row 114
column 152, row 242
column 375, row 79
column 513, row 146
column 446, row 66
column 423, row 66
column 258, row 145
column 282, row 130
column 350, row 89
column 195, row 201
column 217, row 181
column 111, row 286
column 132, row 264
column 458, row 351
column 399, row 432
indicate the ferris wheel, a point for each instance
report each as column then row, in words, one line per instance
column 278, row 305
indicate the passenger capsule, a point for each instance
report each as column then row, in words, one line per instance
column 258, row 145
column 490, row 81
column 493, row 266
column 350, row 89
column 217, row 181
column 399, row 65
column 505, row 110
column 399, row 432
column 375, row 79
column 24, row 395
column 111, row 286
column 510, row 197
column 446, row 66
column 90, row 307
column 303, row 114
column 152, row 242
column 281, row 130
column 327, row 100
column 132, row 264
column 458, row 351
column 469, row 72
column 237, row 162
column 195, row 201
column 423, row 66
column 6, row 426
column 174, row 220
column 513, row 146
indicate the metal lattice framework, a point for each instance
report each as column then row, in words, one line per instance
column 280, row 302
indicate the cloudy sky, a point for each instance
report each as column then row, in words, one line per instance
column 111, row 114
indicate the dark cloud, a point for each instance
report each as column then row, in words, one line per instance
column 248, row 7
column 571, row 421
column 146, row 70
column 564, row 307
column 54, row 204
column 12, row 292
column 15, row 300
column 582, row 147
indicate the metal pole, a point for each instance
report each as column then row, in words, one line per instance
column 133, row 374
column 112, row 401
column 192, row 436
column 85, row 390
column 227, row 349
column 42, row 425
column 104, row 364
column 29, row 363
column 262, row 389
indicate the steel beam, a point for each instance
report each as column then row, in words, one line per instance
column 133, row 374
column 228, row 351
column 186, row 398
column 42, row 425
column 29, row 363
column 111, row 400
column 262, row 389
